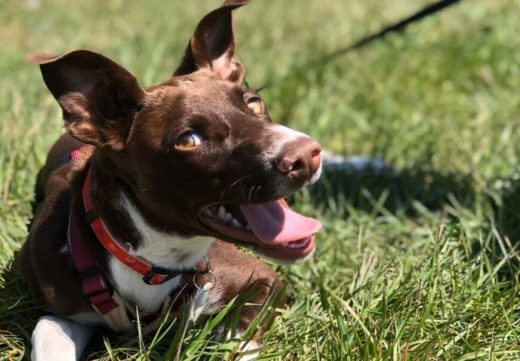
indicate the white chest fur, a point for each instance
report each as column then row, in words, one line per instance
column 161, row 249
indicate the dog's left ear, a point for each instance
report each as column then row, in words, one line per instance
column 212, row 45
column 99, row 98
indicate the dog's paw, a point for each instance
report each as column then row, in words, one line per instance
column 249, row 351
column 58, row 339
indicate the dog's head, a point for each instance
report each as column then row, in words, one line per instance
column 198, row 153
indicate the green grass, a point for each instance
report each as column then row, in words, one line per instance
column 418, row 264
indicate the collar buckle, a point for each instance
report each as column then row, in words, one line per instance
column 158, row 275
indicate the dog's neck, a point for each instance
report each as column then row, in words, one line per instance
column 164, row 249
column 125, row 221
column 137, row 227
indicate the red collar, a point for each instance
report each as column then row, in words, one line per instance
column 152, row 275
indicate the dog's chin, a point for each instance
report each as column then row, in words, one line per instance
column 277, row 255
column 278, row 235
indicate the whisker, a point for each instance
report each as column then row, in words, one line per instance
column 251, row 190
column 257, row 190
column 233, row 184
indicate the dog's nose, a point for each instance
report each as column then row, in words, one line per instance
column 300, row 159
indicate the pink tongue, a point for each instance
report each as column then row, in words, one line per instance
column 274, row 223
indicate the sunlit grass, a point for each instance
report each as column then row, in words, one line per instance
column 418, row 263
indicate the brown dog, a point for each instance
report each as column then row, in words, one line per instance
column 157, row 175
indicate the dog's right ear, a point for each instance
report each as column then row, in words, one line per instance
column 212, row 45
column 99, row 98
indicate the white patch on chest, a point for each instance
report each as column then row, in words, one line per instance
column 162, row 249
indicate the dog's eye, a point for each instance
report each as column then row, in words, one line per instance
column 188, row 141
column 256, row 105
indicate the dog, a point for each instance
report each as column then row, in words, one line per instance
column 149, row 191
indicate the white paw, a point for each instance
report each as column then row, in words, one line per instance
column 58, row 339
column 248, row 351
column 51, row 341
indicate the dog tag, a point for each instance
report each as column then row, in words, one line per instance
column 199, row 301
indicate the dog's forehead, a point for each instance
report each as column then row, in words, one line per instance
column 199, row 91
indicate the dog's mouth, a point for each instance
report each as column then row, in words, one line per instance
column 272, row 229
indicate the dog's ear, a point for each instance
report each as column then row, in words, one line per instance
column 212, row 45
column 99, row 98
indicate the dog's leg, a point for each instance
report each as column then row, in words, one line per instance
column 58, row 339
column 237, row 273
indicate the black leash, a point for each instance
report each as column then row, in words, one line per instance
column 401, row 25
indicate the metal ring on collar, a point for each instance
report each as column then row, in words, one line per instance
column 213, row 279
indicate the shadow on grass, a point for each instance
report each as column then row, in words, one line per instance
column 384, row 190
column 375, row 189
column 18, row 314
column 506, row 208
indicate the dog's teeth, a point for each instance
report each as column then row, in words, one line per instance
column 221, row 212
column 227, row 217
column 235, row 223
column 208, row 212
column 297, row 244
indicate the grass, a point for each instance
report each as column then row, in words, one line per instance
column 419, row 263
